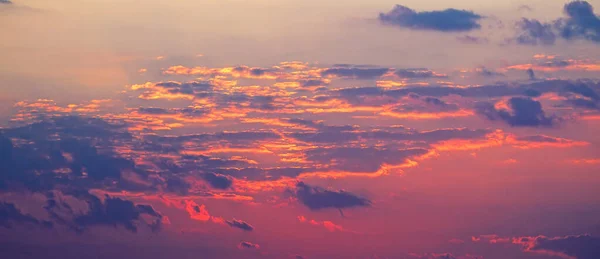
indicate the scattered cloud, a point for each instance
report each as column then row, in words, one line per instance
column 248, row 245
column 524, row 112
column 316, row 198
column 345, row 71
column 418, row 74
column 581, row 23
column 218, row 181
column 116, row 212
column 577, row 246
column 449, row 20
column 240, row 224
column 328, row 225
column 485, row 72
column 533, row 32
column 468, row 39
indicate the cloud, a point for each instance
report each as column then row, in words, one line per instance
column 583, row 96
column 328, row 225
column 524, row 112
column 343, row 136
column 579, row 246
column 115, row 212
column 196, row 212
column 78, row 146
column 355, row 72
column 540, row 141
column 248, row 245
column 472, row 39
column 418, row 74
column 240, row 224
column 531, row 74
column 534, row 32
column 5, row 2
column 10, row 214
column 584, row 90
column 525, row 8
column 316, row 198
column 581, row 23
column 218, row 181
column 360, row 159
column 443, row 256
column 449, row 20
column 482, row 71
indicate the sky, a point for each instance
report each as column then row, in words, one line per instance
column 234, row 129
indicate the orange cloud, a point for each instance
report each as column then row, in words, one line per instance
column 328, row 225
column 589, row 161
column 569, row 65
column 197, row 212
column 499, row 138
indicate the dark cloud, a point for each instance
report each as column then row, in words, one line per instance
column 449, row 20
column 355, row 72
column 80, row 146
column 186, row 112
column 248, row 245
column 89, row 162
column 584, row 103
column 6, row 160
column 176, row 184
column 115, row 212
column 439, row 103
column 5, row 2
column 253, row 71
column 218, row 181
column 531, row 89
column 583, row 89
column 531, row 74
column 525, row 113
column 580, row 247
column 426, row 105
column 482, row 71
column 312, row 82
column 10, row 214
column 418, row 74
column 534, row 32
column 240, row 224
column 582, row 95
column 581, row 23
column 316, row 198
column 198, row 88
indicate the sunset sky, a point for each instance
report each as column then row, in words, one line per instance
column 315, row 129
